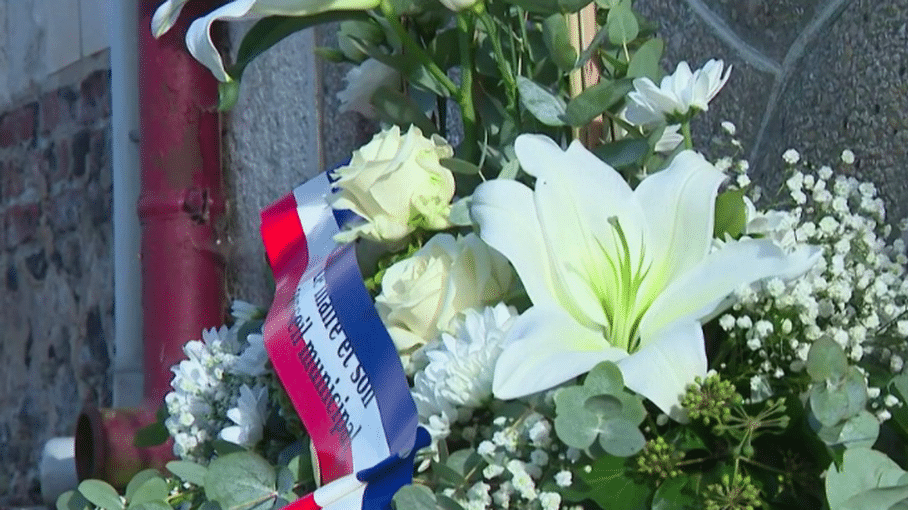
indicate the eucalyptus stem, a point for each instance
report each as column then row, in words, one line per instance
column 685, row 130
column 465, row 98
column 417, row 50
column 510, row 83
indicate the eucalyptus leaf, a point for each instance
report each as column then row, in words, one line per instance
column 632, row 408
column 730, row 214
column 862, row 470
column 607, row 4
column 188, row 471
column 72, row 500
column 542, row 104
column 645, row 62
column 826, row 360
column 241, row 481
column 622, row 24
column 464, row 461
column 446, row 503
column 572, row 5
column 620, row 437
column 459, row 166
column 414, row 497
column 860, row 431
column 460, row 212
column 509, row 170
column 578, row 430
column 157, row 504
column 605, row 407
column 154, row 489
column 605, row 379
column 394, row 107
column 828, row 404
column 285, row 479
column 557, row 40
column 101, row 494
column 544, row 7
column 138, row 479
column 623, row 153
column 590, row 103
column 447, row 476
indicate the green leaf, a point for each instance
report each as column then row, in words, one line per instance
column 632, row 408
column 154, row 489
column 826, row 360
column 605, row 407
column 72, row 500
column 545, row 106
column 590, row 103
column 731, row 214
column 158, row 504
column 188, row 471
column 459, row 166
column 460, row 212
column 154, row 434
column 241, row 481
column 645, row 62
column 543, row 7
column 271, row 30
column 446, row 503
column 607, row 4
column 862, row 470
column 620, row 437
column 623, row 153
column 577, row 429
column 138, row 479
column 464, row 461
column 509, row 170
column 446, row 476
column 671, row 495
column 829, row 405
column 394, row 107
column 622, row 24
column 555, row 35
column 605, row 379
column 414, row 497
column 101, row 494
column 860, row 431
column 329, row 54
column 612, row 487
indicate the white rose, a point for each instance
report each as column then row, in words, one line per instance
column 397, row 184
column 423, row 293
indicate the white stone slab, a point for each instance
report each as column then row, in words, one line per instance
column 96, row 18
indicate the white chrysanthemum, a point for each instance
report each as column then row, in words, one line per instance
column 458, row 377
column 678, row 96
column 253, row 360
column 362, row 82
column 249, row 415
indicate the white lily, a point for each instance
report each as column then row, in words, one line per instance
column 249, row 415
column 613, row 273
column 165, row 16
column 677, row 95
column 198, row 37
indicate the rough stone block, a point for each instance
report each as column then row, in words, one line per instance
column 19, row 125
column 94, row 95
column 56, row 108
column 20, row 223
column 13, row 178
column 81, row 144
column 65, row 208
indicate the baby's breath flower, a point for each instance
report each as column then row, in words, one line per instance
column 791, row 156
column 729, row 127
column 847, row 157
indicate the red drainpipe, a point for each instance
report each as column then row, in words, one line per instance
column 182, row 266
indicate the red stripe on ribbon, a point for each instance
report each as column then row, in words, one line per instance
column 286, row 245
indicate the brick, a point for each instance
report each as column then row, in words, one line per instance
column 56, row 107
column 94, row 95
column 59, row 158
column 19, row 125
column 14, row 173
column 100, row 204
column 99, row 152
column 20, row 223
column 65, row 209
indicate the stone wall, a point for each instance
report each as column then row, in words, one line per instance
column 815, row 75
column 56, row 289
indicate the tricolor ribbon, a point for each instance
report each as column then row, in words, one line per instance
column 335, row 357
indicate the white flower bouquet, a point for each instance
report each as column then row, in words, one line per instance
column 589, row 313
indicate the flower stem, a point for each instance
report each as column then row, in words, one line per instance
column 510, row 83
column 416, row 50
column 685, row 130
column 465, row 98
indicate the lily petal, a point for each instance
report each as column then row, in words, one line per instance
column 679, row 206
column 662, row 370
column 698, row 292
column 507, row 222
column 545, row 347
column 165, row 16
column 198, row 37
